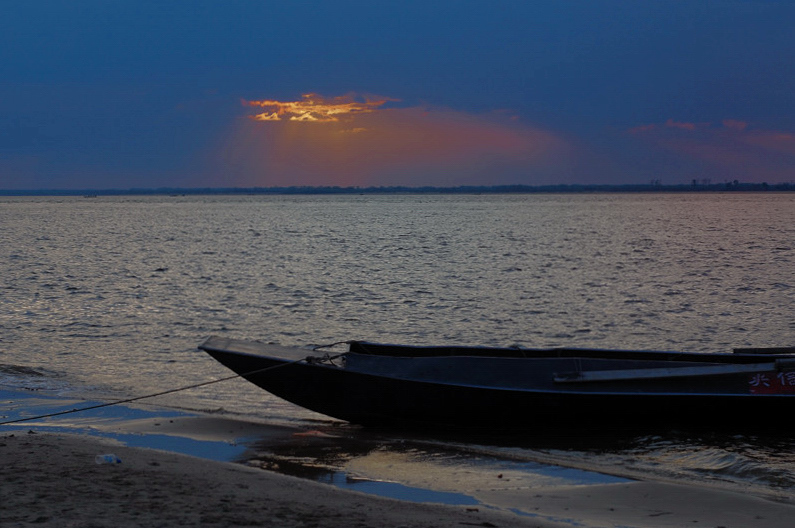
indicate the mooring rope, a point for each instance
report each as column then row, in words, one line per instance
column 318, row 347
column 308, row 359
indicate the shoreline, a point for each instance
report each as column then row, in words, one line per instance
column 200, row 469
column 52, row 480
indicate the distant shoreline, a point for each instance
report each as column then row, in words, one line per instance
column 463, row 189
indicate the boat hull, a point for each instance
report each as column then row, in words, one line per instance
column 398, row 401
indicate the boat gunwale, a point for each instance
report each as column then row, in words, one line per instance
column 420, row 351
column 370, row 348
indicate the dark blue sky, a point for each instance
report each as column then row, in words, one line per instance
column 146, row 94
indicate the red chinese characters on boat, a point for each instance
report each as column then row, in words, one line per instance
column 772, row 382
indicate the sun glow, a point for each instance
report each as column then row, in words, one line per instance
column 364, row 140
column 316, row 108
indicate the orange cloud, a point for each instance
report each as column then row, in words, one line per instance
column 684, row 126
column 735, row 124
column 316, row 108
column 778, row 142
column 670, row 123
column 355, row 140
column 642, row 128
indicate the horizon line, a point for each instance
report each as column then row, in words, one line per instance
column 404, row 189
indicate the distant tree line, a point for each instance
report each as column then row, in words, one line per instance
column 704, row 185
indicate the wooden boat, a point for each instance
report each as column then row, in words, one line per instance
column 441, row 386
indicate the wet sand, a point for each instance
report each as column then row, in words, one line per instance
column 52, row 480
column 48, row 477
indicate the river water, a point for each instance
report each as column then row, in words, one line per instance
column 108, row 297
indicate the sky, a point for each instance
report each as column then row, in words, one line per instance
column 231, row 93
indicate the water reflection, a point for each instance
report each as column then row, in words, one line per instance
column 410, row 468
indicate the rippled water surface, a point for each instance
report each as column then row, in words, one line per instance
column 108, row 297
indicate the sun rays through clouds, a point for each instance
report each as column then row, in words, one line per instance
column 314, row 107
column 356, row 139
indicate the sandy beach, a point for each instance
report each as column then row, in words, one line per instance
column 51, row 479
